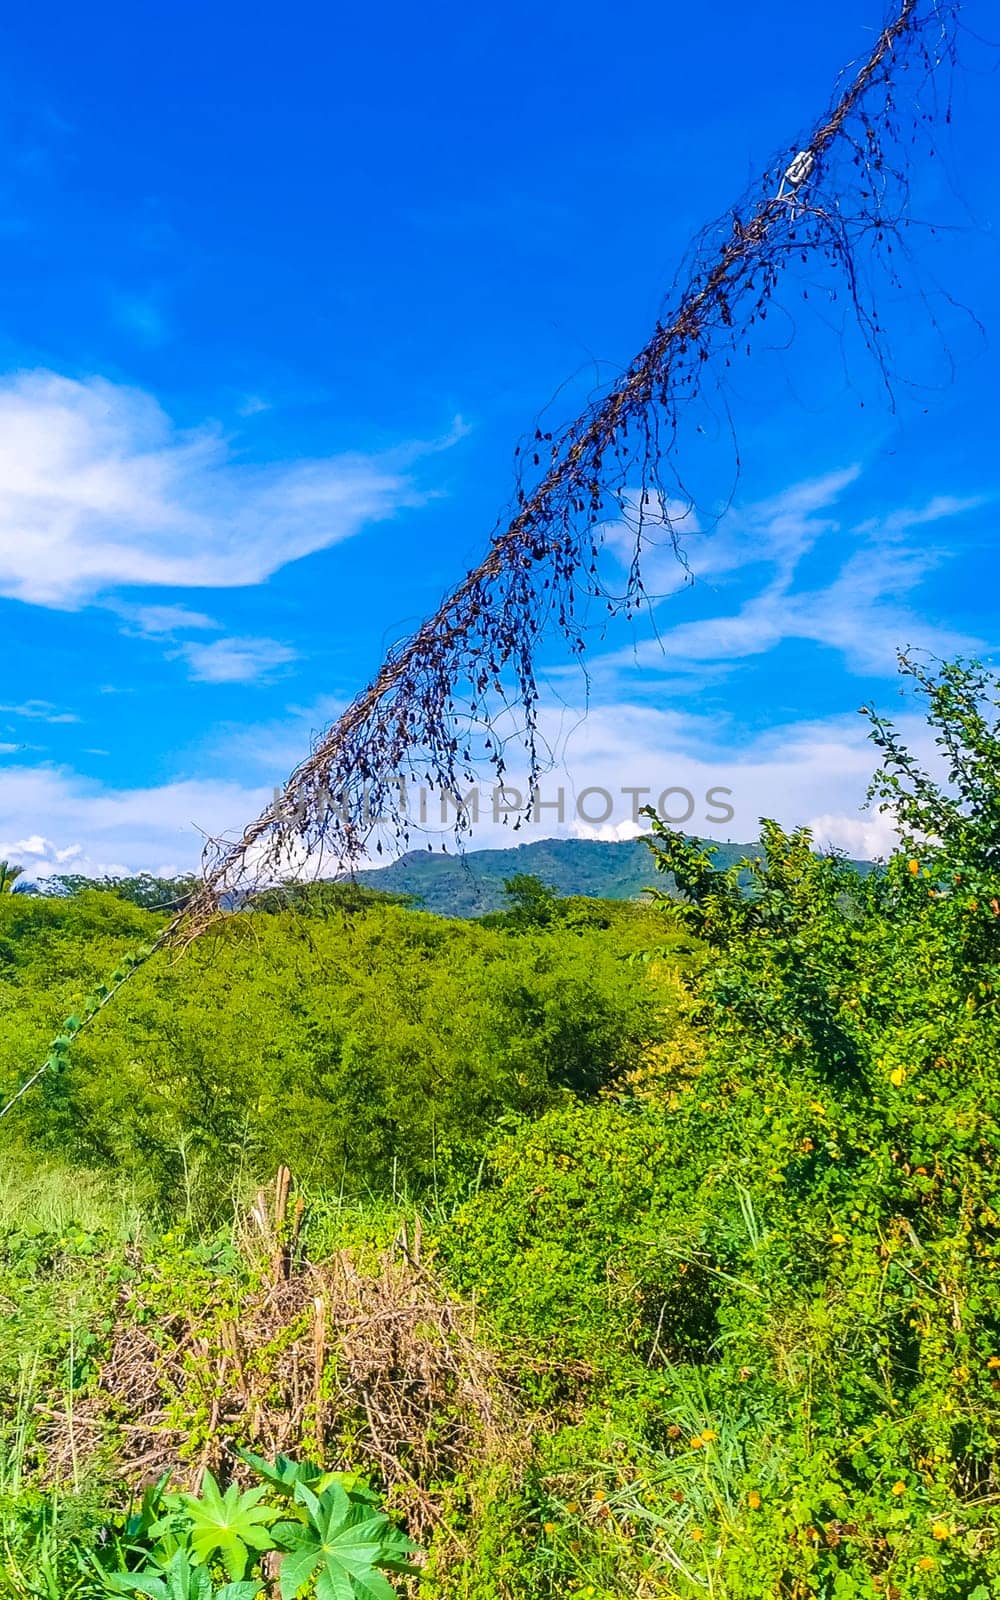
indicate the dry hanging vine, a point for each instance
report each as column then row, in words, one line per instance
column 432, row 711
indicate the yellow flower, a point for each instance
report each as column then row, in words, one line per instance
column 696, row 1442
column 571, row 1508
column 914, row 866
column 897, row 1077
column 753, row 1500
column 837, row 1238
column 993, row 1363
column 548, row 1527
column 926, row 1564
column 599, row 1495
column 708, row 1434
column 940, row 1530
column 697, row 1534
column 899, row 1488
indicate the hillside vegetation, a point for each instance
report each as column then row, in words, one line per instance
column 627, row 1250
column 472, row 885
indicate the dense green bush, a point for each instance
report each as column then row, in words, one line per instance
column 826, row 1192
column 372, row 1048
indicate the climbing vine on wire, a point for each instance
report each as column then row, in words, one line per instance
column 434, row 710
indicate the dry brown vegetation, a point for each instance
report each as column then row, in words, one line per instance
column 351, row 1361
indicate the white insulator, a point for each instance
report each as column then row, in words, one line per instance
column 801, row 168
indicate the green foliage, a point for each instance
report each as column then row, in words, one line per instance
column 824, row 1191
column 472, row 884
column 574, row 1236
column 341, row 1545
column 179, row 1579
column 145, row 890
column 368, row 1049
column 9, row 874
column 284, row 1475
column 226, row 1524
column 334, row 1543
column 335, row 897
column 530, row 904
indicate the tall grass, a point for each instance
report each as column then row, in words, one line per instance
column 51, row 1196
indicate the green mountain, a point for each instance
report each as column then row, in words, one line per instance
column 470, row 885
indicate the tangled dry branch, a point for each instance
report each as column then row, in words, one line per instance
column 433, row 712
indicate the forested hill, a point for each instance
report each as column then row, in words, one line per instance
column 472, row 884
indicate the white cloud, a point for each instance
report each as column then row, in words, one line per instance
column 862, row 838
column 52, row 817
column 813, row 772
column 154, row 621
column 235, row 660
column 40, row 711
column 861, row 612
column 226, row 660
column 858, row 614
column 778, row 530
column 622, row 757
column 936, row 509
column 37, row 848
column 100, row 490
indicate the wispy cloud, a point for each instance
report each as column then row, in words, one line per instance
column 777, row 531
column 252, row 405
column 142, row 316
column 40, row 711
column 236, row 660
column 858, row 614
column 153, row 622
column 100, row 490
column 226, row 660
column 864, row 612
column 937, row 509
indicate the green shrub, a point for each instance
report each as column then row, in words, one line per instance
column 827, row 1186
column 369, row 1050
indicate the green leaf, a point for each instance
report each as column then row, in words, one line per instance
column 333, row 1583
column 298, row 1566
column 228, row 1525
column 138, row 1583
column 150, row 1509
column 340, row 1548
column 284, row 1473
column 372, row 1586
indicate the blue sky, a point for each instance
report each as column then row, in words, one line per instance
column 280, row 291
